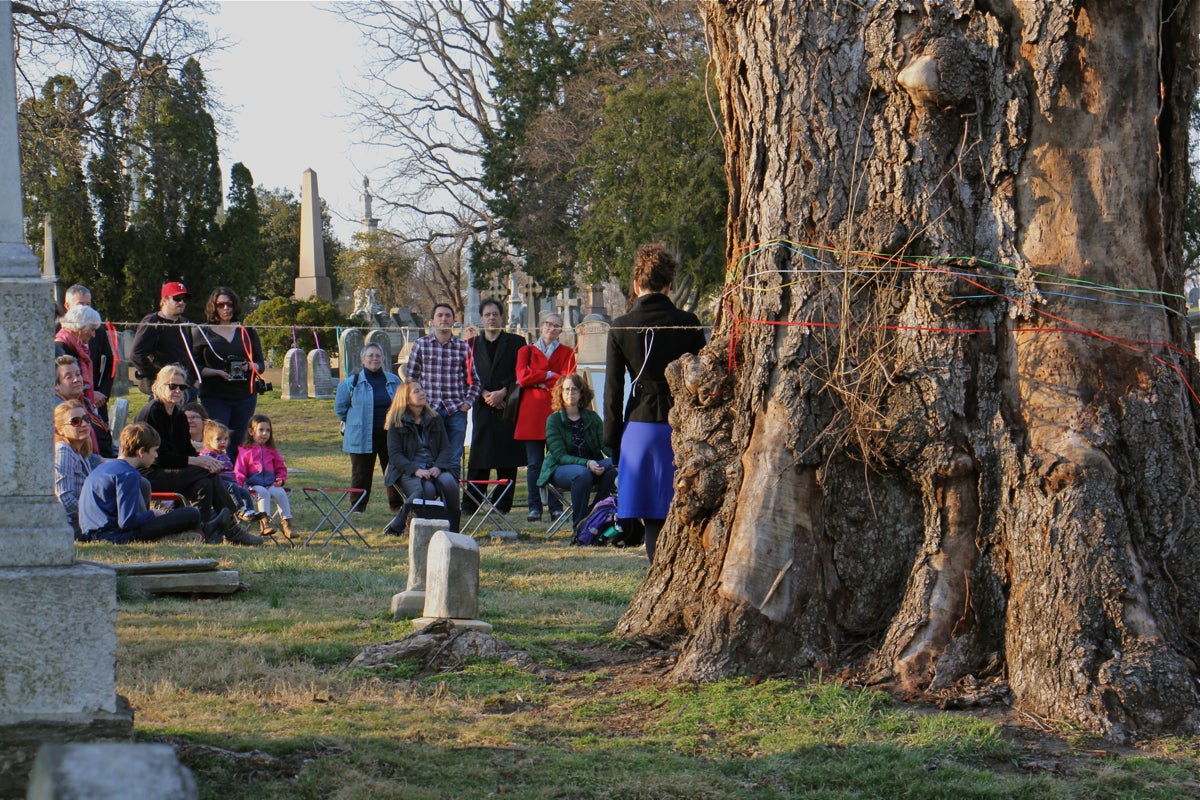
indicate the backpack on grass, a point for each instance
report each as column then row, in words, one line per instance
column 602, row 521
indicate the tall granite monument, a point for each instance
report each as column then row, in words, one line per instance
column 312, row 281
column 58, row 617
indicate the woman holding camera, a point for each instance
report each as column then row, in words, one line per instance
column 230, row 358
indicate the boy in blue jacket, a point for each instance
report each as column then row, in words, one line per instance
column 113, row 504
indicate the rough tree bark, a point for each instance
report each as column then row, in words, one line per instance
column 966, row 460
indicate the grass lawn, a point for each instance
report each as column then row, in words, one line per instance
column 256, row 691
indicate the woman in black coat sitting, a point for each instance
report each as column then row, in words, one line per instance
column 419, row 456
column 179, row 468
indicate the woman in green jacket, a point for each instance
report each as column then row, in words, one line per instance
column 575, row 454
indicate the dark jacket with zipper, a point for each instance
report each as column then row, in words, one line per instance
column 404, row 442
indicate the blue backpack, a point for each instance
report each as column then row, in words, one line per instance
column 600, row 526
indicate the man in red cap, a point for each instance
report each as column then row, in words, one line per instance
column 161, row 339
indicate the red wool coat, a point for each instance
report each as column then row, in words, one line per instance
column 536, row 390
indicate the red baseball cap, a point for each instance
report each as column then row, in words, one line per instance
column 173, row 289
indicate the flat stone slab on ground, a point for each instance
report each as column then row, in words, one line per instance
column 477, row 625
column 223, row 581
column 504, row 536
column 161, row 567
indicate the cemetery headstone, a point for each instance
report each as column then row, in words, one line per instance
column 593, row 341
column 113, row 771
column 411, row 602
column 295, row 375
column 381, row 338
column 312, row 280
column 452, row 582
column 320, row 375
column 350, row 346
column 118, row 415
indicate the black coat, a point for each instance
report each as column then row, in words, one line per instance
column 492, row 445
column 158, row 342
column 403, row 442
column 649, row 323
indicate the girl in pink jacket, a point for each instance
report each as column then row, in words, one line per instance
column 261, row 470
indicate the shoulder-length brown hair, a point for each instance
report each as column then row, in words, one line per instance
column 62, row 416
column 210, row 308
column 580, row 381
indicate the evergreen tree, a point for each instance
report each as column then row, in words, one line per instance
column 109, row 186
column 238, row 257
column 52, row 175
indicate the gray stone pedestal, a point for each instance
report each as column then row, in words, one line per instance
column 110, row 772
column 58, row 618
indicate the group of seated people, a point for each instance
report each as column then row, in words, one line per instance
column 421, row 459
column 171, row 448
column 96, row 483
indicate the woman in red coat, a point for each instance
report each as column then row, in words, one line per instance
column 539, row 367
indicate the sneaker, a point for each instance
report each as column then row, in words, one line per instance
column 246, row 515
column 242, row 536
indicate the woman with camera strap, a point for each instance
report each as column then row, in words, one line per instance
column 230, row 359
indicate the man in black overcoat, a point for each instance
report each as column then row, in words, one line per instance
column 492, row 445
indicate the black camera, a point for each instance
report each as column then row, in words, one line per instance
column 262, row 387
column 237, row 370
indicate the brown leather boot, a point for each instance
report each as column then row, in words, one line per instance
column 264, row 525
column 288, row 531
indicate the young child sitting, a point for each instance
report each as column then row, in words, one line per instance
column 260, row 469
column 114, row 505
column 216, row 439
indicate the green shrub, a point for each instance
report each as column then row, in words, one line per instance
column 283, row 318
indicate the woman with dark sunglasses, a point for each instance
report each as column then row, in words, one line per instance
column 230, row 358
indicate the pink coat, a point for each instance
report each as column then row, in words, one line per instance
column 536, row 390
column 254, row 458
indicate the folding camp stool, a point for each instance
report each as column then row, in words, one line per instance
column 328, row 503
column 563, row 519
column 275, row 519
column 480, row 493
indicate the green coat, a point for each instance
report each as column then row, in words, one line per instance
column 558, row 439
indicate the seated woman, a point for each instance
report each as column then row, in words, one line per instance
column 78, row 326
column 73, row 457
column 180, row 468
column 419, row 454
column 575, row 455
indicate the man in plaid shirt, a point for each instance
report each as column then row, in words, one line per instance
column 446, row 371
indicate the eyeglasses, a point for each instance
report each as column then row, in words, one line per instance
column 554, row 325
column 177, row 387
column 179, row 299
column 224, row 305
column 78, row 422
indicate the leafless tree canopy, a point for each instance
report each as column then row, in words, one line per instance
column 425, row 96
column 87, row 39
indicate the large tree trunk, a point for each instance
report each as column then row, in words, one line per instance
column 930, row 439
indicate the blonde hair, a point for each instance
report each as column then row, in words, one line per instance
column 62, row 416
column 164, row 378
column 213, row 431
column 400, row 404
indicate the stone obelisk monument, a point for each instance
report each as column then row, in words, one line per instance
column 58, row 618
column 312, row 281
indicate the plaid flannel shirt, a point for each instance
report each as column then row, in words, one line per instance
column 446, row 372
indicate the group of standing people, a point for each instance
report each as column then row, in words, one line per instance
column 531, row 408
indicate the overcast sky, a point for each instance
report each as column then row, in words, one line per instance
column 282, row 78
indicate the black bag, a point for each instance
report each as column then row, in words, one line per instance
column 417, row 508
column 512, row 403
column 421, row 508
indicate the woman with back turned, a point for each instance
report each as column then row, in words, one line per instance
column 641, row 344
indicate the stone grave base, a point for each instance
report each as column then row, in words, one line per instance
column 22, row 737
column 504, row 536
column 469, row 624
column 408, row 604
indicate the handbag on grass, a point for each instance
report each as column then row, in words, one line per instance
column 427, row 508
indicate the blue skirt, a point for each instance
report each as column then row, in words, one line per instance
column 646, row 474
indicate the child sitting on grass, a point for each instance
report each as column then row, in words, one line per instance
column 114, row 503
column 216, row 440
column 260, row 469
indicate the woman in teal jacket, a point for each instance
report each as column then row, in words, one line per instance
column 575, row 454
column 362, row 405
